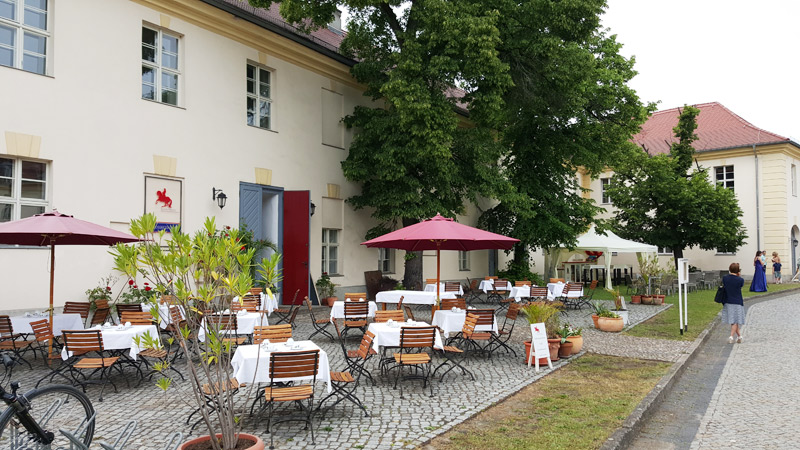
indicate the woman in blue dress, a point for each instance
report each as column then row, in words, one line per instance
column 759, row 283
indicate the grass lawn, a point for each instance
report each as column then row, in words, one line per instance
column 577, row 407
column 702, row 310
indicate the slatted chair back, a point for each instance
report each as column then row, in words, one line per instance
column 310, row 308
column 557, row 280
column 249, row 304
column 393, row 314
column 431, row 280
column 101, row 303
column 81, row 342
column 121, row 308
column 293, row 365
column 6, row 329
column 485, row 316
column 221, row 322
column 450, row 303
column 513, row 311
column 81, row 308
column 275, row 333
column 470, row 322
column 256, row 291
column 100, row 316
column 539, row 292
column 175, row 317
column 490, row 277
column 452, row 286
column 364, row 348
column 473, row 284
column 500, row 285
column 593, row 285
column 571, row 288
column 355, row 311
column 417, row 337
column 168, row 299
column 520, row 283
column 41, row 330
column 137, row 318
column 355, row 296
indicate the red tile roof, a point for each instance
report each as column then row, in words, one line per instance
column 717, row 128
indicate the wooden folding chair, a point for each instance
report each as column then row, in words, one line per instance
column 247, row 303
column 273, row 333
column 355, row 296
column 284, row 315
column 291, row 366
column 13, row 342
column 499, row 291
column 538, row 293
column 352, row 357
column 81, row 308
column 409, row 313
column 393, row 314
column 127, row 307
column 472, row 293
column 224, row 327
column 137, row 318
column 520, row 283
column 450, row 303
column 412, row 341
column 211, row 394
column 80, row 343
column 452, row 286
column 344, row 383
column 432, row 281
column 319, row 325
column 470, row 338
column 355, row 316
column 500, row 340
column 571, row 296
column 100, row 316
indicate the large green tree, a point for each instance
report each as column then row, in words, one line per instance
column 421, row 61
column 664, row 201
column 570, row 110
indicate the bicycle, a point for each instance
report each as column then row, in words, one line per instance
column 33, row 420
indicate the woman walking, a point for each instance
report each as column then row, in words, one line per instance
column 776, row 267
column 733, row 308
column 759, row 283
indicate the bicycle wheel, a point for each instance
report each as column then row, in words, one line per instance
column 55, row 407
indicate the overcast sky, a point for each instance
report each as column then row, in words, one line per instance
column 741, row 53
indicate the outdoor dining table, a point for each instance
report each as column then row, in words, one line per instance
column 387, row 334
column 118, row 337
column 251, row 362
column 488, row 285
column 163, row 312
column 556, row 289
column 431, row 287
column 412, row 298
column 22, row 324
column 245, row 323
column 453, row 321
column 337, row 312
column 520, row 292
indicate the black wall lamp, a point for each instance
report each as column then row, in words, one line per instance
column 219, row 196
column 312, row 207
column 794, row 242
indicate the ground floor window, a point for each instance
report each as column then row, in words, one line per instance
column 23, row 188
column 386, row 260
column 330, row 251
column 463, row 260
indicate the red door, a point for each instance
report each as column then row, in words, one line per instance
column 295, row 246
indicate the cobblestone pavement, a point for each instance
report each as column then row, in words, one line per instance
column 393, row 422
column 757, row 399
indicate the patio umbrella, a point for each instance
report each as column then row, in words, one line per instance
column 54, row 228
column 441, row 233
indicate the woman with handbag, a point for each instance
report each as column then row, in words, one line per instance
column 733, row 307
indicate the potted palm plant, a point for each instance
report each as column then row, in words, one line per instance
column 618, row 309
column 540, row 312
column 204, row 273
column 326, row 289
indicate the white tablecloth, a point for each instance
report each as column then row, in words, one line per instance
column 453, row 322
column 251, row 364
column 518, row 292
column 267, row 304
column 388, row 336
column 22, row 324
column 488, row 285
column 114, row 339
column 432, row 288
column 244, row 324
column 337, row 312
column 412, row 297
column 163, row 312
column 556, row 289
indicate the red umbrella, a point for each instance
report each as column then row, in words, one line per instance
column 440, row 233
column 54, row 228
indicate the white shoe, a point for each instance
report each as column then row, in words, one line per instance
column 730, row 339
column 739, row 341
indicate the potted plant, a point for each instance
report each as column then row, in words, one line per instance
column 565, row 337
column 658, row 299
column 204, row 272
column 326, row 289
column 610, row 322
column 575, row 336
column 615, row 295
column 636, row 299
column 540, row 312
column 598, row 307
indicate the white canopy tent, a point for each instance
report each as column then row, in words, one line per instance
column 591, row 240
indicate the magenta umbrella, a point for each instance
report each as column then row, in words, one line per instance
column 54, row 228
column 440, row 233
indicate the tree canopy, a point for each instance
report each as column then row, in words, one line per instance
column 662, row 201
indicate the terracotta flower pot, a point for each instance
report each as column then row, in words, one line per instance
column 542, row 361
column 610, row 324
column 636, row 299
column 331, row 300
column 647, row 300
column 658, row 299
column 594, row 319
column 577, row 344
column 202, row 443
column 565, row 351
column 555, row 345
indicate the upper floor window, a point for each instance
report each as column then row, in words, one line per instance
column 24, row 35
column 723, row 175
column 463, row 260
column 160, row 66
column 794, row 180
column 604, row 184
column 259, row 99
column 330, row 251
column 23, row 188
column 386, row 260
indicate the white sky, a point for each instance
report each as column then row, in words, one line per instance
column 741, row 53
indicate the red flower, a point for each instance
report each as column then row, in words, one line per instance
column 135, row 286
column 147, row 288
column 243, row 247
column 108, row 288
column 226, row 235
column 227, row 227
column 146, row 283
column 130, row 282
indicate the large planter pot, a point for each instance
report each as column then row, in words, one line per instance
column 203, row 443
column 542, row 361
column 565, row 351
column 658, row 299
column 330, row 301
column 594, row 319
column 610, row 324
column 647, row 300
column 577, row 344
column 636, row 299
column 554, row 345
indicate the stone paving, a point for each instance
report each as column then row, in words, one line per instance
column 757, row 399
column 393, row 422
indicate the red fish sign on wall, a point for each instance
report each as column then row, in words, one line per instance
column 163, row 199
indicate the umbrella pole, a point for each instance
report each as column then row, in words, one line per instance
column 52, row 279
column 438, row 277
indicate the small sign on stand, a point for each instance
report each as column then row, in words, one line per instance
column 539, row 346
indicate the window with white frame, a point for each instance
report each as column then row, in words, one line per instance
column 604, row 184
column 330, row 251
column 723, row 175
column 664, row 251
column 386, row 260
column 160, row 65
column 259, row 97
column 794, row 180
column 23, row 188
column 720, row 252
column 463, row 260
column 24, row 34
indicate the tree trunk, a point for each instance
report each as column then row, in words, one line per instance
column 677, row 253
column 412, row 276
column 521, row 255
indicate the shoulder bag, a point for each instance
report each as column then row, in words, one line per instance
column 721, row 295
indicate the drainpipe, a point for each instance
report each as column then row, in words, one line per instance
column 758, row 213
